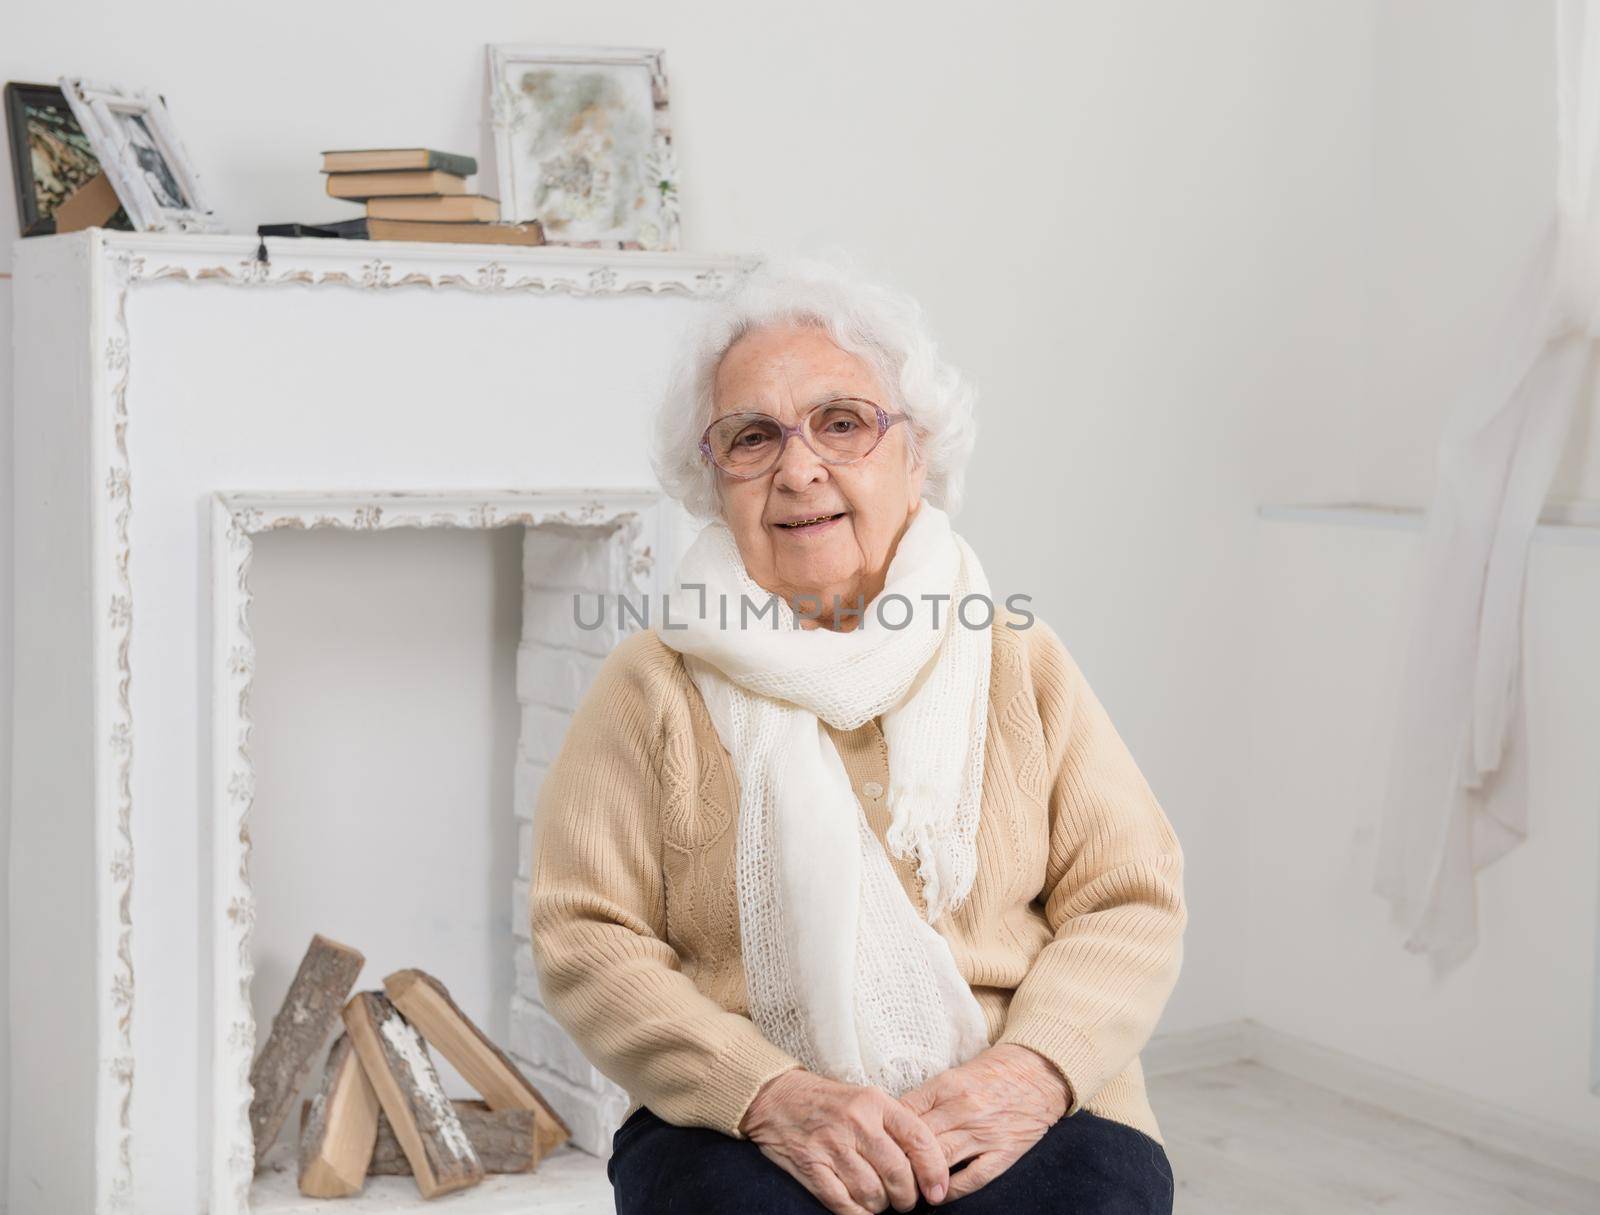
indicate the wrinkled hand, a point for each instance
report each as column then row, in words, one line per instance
column 856, row 1149
column 991, row 1109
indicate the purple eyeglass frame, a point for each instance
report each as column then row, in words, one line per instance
column 885, row 421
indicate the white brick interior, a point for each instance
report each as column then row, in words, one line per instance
column 557, row 661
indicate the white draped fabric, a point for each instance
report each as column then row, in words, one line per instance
column 1456, row 798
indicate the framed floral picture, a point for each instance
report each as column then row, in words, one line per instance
column 50, row 156
column 138, row 147
column 583, row 144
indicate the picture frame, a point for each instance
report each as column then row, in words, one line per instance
column 51, row 157
column 583, row 144
column 137, row 144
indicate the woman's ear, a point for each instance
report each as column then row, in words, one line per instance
column 914, row 481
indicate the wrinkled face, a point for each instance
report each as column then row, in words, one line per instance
column 783, row 370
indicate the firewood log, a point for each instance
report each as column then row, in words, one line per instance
column 503, row 1139
column 426, row 1003
column 396, row 1061
column 308, row 1015
column 338, row 1127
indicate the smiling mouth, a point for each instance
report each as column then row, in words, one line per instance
column 814, row 521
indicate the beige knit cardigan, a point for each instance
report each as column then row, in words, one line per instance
column 1071, row 938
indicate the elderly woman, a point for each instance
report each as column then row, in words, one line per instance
column 843, row 872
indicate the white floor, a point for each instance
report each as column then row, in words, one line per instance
column 1243, row 1138
column 568, row 1182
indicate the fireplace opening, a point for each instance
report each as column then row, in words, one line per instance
column 408, row 687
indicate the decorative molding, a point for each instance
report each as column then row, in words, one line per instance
column 630, row 518
column 539, row 269
column 116, row 837
column 124, row 261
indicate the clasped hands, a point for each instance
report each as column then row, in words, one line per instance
column 860, row 1151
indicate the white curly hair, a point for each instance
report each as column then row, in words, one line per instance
column 877, row 323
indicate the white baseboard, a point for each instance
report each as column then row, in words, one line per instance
column 1212, row 1046
column 1482, row 1122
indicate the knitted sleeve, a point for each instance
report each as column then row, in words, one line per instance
column 1113, row 891
column 598, row 915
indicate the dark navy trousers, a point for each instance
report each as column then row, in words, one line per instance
column 1083, row 1165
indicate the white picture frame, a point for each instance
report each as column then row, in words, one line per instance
column 134, row 138
column 615, row 188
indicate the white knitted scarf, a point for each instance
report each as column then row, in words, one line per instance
column 843, row 973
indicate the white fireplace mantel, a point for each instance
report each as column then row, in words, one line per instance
column 166, row 388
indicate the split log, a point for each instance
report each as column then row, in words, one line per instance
column 427, row 1004
column 503, row 1139
column 309, row 1014
column 396, row 1061
column 338, row 1127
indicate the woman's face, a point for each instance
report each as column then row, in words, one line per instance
column 783, row 370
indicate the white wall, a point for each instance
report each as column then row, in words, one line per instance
column 1150, row 230
column 1512, row 1024
column 1462, row 148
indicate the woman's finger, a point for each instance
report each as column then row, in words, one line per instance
column 888, row 1159
column 957, row 1144
column 942, row 1117
column 861, row 1180
column 821, row 1182
column 922, row 1148
column 983, row 1169
column 834, row 1195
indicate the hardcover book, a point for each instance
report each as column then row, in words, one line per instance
column 448, row 207
column 530, row 233
column 347, row 229
column 405, row 181
column 364, row 160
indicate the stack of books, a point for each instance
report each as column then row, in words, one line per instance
column 420, row 194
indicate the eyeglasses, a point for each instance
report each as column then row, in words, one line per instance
column 840, row 431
